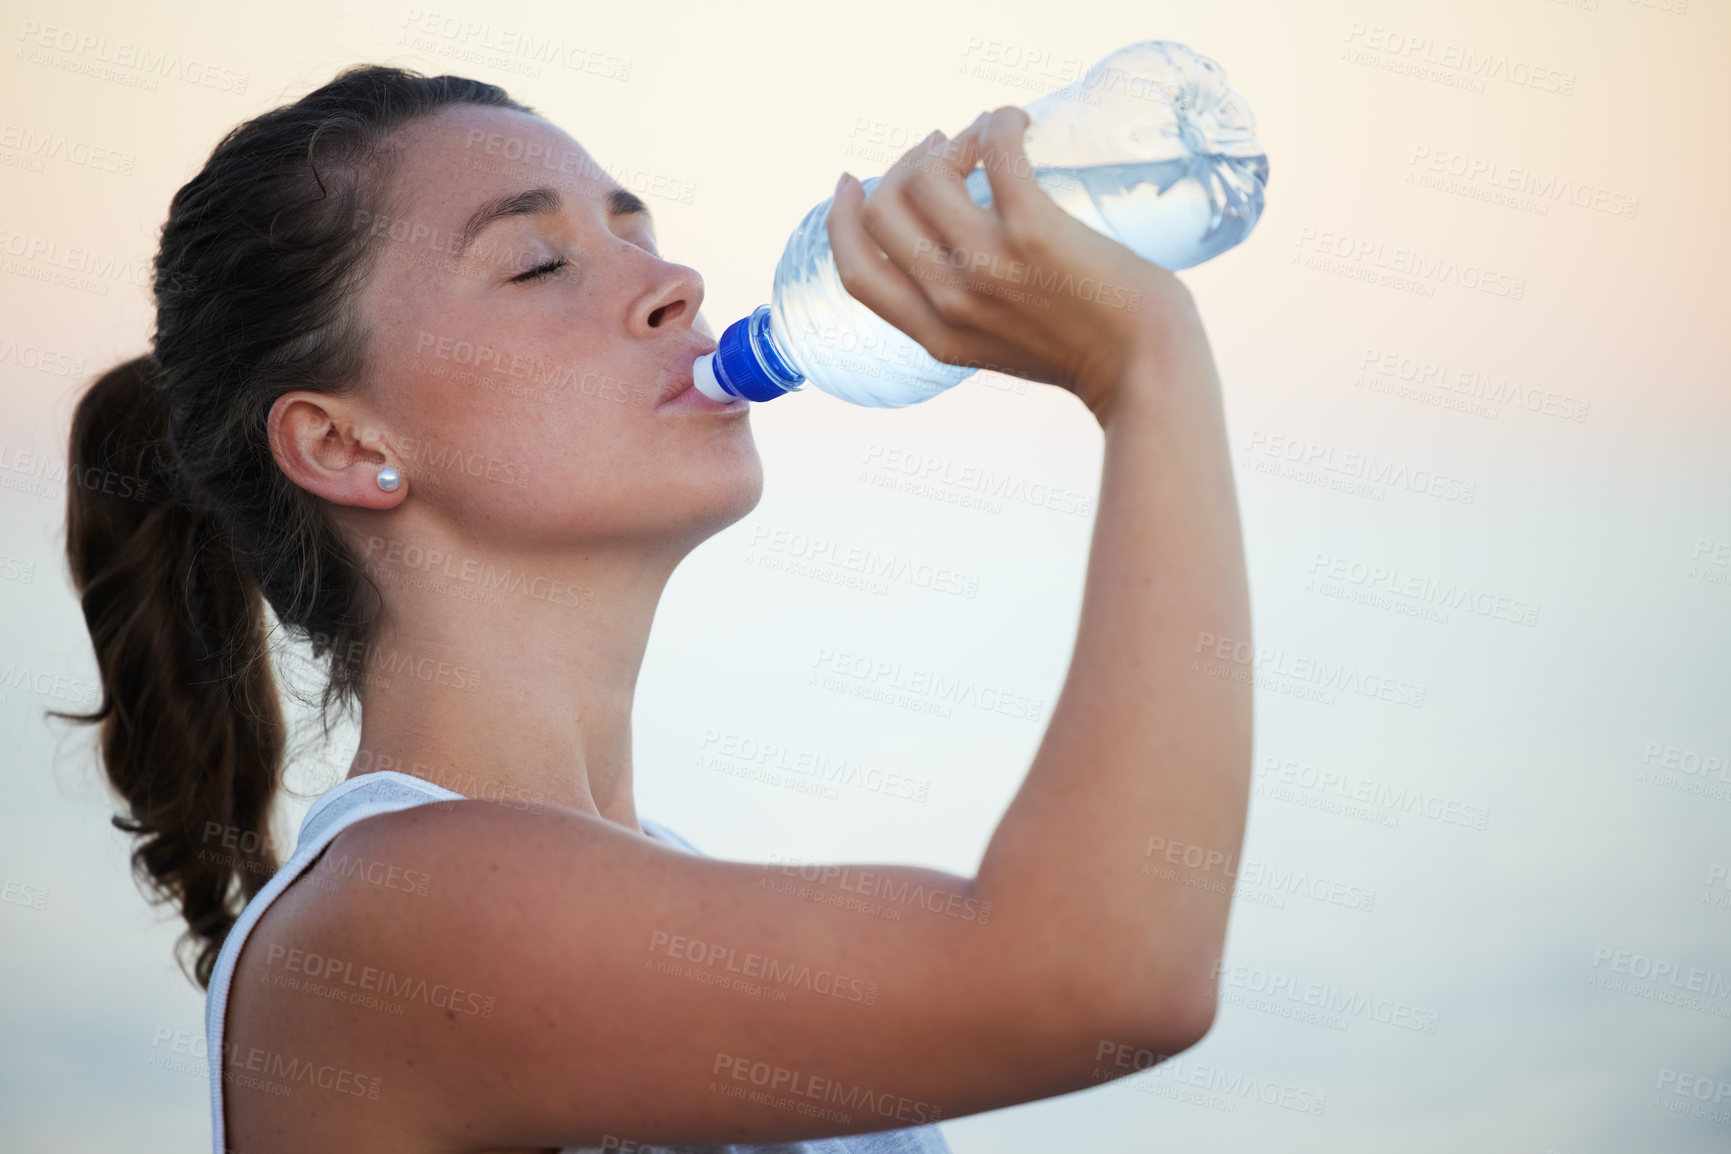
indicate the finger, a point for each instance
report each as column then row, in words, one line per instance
column 865, row 273
column 890, row 219
column 1016, row 194
column 940, row 193
column 963, row 152
column 907, row 162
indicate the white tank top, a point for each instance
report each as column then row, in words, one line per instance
column 386, row 791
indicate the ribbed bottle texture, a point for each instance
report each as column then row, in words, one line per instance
column 1150, row 147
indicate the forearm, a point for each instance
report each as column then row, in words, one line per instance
column 1141, row 744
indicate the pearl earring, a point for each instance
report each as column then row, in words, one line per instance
column 389, row 479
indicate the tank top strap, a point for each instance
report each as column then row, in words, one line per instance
column 385, row 787
column 387, row 791
column 339, row 807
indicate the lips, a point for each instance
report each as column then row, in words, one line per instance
column 676, row 378
column 689, row 397
column 678, row 388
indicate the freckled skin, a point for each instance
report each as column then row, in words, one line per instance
column 545, row 456
column 549, row 896
column 610, row 325
column 522, row 415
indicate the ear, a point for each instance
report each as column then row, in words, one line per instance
column 319, row 445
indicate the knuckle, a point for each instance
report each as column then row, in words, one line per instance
column 1019, row 228
column 921, row 175
column 849, row 275
column 947, row 349
column 1027, row 231
column 936, row 340
column 953, row 303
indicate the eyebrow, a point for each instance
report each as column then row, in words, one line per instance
column 538, row 202
column 624, row 202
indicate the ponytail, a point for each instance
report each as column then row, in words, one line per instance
column 255, row 277
column 192, row 732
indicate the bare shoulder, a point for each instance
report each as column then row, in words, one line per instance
column 307, row 1054
column 359, row 991
column 512, row 979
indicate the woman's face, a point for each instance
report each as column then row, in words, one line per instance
column 525, row 350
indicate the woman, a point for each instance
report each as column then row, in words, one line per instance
column 421, row 382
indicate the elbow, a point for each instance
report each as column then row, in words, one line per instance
column 1155, row 1001
column 1171, row 1012
column 1184, row 1019
column 1137, row 1038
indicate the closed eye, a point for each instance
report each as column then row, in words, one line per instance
column 540, row 271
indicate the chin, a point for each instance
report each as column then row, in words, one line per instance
column 737, row 498
column 694, row 511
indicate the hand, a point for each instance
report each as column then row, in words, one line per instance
column 1020, row 286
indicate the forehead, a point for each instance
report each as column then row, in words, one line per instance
column 450, row 161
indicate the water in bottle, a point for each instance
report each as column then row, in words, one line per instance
column 1150, row 147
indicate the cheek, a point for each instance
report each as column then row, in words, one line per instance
column 585, row 438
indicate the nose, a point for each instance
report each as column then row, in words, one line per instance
column 672, row 302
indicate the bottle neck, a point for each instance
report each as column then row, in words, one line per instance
column 748, row 363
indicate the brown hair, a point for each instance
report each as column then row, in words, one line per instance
column 254, row 276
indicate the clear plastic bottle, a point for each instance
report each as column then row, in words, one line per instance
column 1150, row 147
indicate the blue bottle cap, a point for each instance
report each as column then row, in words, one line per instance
column 746, row 364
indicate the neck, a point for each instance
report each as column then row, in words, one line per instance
column 510, row 678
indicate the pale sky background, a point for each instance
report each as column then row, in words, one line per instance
column 1609, row 525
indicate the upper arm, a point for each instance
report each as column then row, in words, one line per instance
column 595, row 982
